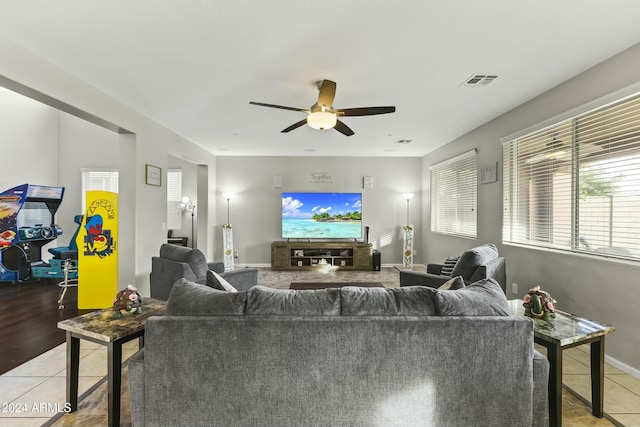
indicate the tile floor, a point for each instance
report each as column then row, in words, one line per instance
column 34, row 392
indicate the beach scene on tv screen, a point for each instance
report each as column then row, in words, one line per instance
column 322, row 215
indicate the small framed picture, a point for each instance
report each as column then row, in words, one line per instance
column 153, row 175
column 298, row 252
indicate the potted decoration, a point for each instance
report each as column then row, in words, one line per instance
column 539, row 304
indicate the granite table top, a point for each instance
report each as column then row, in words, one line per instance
column 565, row 329
column 100, row 324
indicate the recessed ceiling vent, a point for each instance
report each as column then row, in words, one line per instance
column 479, row 80
column 404, row 141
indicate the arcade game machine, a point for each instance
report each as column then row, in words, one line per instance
column 27, row 214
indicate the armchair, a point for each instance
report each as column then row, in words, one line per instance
column 481, row 262
column 177, row 262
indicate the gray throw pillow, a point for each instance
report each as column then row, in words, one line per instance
column 192, row 299
column 482, row 298
column 358, row 301
column 289, row 302
column 452, row 284
column 415, row 300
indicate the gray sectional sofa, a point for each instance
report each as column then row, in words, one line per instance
column 411, row 356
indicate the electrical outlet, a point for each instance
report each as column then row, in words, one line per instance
column 235, row 254
column 514, row 288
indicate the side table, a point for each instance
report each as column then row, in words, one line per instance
column 566, row 331
column 111, row 333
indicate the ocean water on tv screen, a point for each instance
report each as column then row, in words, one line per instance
column 310, row 229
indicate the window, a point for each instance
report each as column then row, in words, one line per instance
column 454, row 185
column 105, row 180
column 174, row 198
column 575, row 185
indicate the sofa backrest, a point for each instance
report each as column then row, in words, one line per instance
column 483, row 298
column 473, row 258
column 338, row 370
column 193, row 257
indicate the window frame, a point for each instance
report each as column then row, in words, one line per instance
column 580, row 165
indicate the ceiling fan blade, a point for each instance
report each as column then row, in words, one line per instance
column 365, row 111
column 295, row 126
column 343, row 129
column 279, row 106
column 327, row 93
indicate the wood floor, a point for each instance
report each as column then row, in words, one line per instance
column 28, row 319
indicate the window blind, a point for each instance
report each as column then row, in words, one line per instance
column 575, row 185
column 105, row 180
column 174, row 198
column 454, row 196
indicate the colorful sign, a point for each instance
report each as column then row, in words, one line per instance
column 97, row 251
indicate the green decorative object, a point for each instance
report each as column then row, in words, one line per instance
column 539, row 304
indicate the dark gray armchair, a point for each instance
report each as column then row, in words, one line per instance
column 481, row 262
column 177, row 262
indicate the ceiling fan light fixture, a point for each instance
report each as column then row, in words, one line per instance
column 321, row 120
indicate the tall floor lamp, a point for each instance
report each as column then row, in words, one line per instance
column 227, row 236
column 188, row 206
column 407, row 246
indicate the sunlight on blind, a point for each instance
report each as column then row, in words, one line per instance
column 575, row 185
column 454, row 196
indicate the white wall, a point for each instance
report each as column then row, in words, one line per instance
column 142, row 207
column 606, row 291
column 256, row 206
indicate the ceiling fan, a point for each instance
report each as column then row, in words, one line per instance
column 322, row 115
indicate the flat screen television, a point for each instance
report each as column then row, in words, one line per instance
column 322, row 216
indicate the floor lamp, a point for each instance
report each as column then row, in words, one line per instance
column 227, row 236
column 407, row 246
column 188, row 206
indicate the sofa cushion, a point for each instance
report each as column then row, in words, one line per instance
column 218, row 282
column 288, row 302
column 452, row 284
column 359, row 301
column 415, row 300
column 192, row 299
column 482, row 298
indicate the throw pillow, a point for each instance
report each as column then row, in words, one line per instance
column 192, row 299
column 482, row 298
column 448, row 265
column 289, row 302
column 217, row 282
column 453, row 284
column 357, row 301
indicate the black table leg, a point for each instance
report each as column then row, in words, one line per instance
column 73, row 369
column 114, row 354
column 554, row 355
column 597, row 378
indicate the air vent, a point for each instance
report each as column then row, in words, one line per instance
column 478, row 80
column 404, row 141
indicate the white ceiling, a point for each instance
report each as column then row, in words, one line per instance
column 195, row 65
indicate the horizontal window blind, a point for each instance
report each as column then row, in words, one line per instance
column 575, row 185
column 174, row 198
column 454, row 196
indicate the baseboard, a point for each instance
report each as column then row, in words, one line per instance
column 629, row 370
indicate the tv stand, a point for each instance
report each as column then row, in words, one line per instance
column 316, row 255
